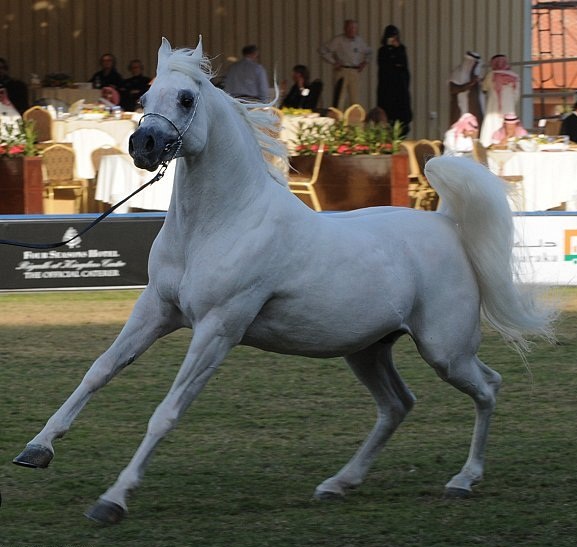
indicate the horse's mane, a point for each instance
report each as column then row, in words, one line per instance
column 260, row 118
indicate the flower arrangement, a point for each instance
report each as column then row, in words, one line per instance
column 347, row 140
column 18, row 139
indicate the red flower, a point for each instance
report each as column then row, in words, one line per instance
column 344, row 149
column 16, row 149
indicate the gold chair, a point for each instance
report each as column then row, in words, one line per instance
column 58, row 172
column 42, row 123
column 335, row 113
column 354, row 115
column 480, row 153
column 105, row 150
column 409, row 147
column 306, row 185
column 426, row 198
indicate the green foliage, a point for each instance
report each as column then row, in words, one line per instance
column 241, row 467
column 18, row 139
column 370, row 138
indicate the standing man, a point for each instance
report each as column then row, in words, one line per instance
column 465, row 89
column 349, row 54
column 247, row 79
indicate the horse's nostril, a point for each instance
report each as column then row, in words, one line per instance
column 149, row 144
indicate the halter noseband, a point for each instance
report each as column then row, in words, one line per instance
column 178, row 141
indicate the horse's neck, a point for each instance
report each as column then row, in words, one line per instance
column 226, row 177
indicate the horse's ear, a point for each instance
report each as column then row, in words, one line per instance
column 164, row 51
column 197, row 55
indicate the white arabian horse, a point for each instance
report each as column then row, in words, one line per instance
column 240, row 260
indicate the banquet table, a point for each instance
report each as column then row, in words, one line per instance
column 118, row 177
column 291, row 125
column 549, row 177
column 88, row 135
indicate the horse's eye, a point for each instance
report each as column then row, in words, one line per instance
column 186, row 102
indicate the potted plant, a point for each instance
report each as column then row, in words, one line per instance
column 362, row 166
column 21, row 186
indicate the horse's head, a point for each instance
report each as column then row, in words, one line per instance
column 174, row 122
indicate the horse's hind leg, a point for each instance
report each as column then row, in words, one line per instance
column 481, row 383
column 375, row 369
column 149, row 320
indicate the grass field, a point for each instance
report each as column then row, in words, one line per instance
column 241, row 467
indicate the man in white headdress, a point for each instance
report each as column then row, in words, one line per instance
column 465, row 89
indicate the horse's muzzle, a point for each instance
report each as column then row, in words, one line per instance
column 149, row 147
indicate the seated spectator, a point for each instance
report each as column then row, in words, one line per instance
column 134, row 87
column 16, row 90
column 569, row 125
column 107, row 76
column 109, row 97
column 511, row 129
column 459, row 138
column 302, row 94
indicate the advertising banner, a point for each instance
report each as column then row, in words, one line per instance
column 112, row 254
column 546, row 247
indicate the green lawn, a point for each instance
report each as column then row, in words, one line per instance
column 241, row 467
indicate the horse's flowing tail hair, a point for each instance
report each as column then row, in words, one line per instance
column 476, row 200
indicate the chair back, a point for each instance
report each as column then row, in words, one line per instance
column 424, row 151
column 335, row 113
column 480, row 153
column 409, row 147
column 425, row 196
column 355, row 115
column 58, row 163
column 106, row 150
column 42, row 122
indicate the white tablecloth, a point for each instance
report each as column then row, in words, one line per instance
column 549, row 178
column 118, row 177
column 88, row 135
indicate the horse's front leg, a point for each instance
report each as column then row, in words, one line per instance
column 208, row 348
column 150, row 319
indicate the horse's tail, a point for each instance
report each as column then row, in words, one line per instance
column 476, row 200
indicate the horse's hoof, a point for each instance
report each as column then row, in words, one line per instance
column 106, row 512
column 327, row 495
column 457, row 493
column 34, row 455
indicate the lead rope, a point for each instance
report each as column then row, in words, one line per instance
column 57, row 244
column 158, row 176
